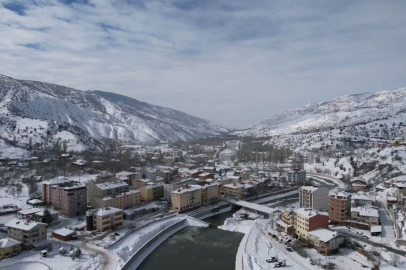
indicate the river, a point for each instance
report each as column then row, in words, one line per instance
column 204, row 248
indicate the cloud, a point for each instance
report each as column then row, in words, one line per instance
column 232, row 62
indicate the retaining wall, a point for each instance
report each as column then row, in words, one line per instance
column 140, row 254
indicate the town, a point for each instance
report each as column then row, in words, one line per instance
column 77, row 210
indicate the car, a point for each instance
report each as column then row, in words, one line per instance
column 289, row 249
column 365, row 237
column 272, row 260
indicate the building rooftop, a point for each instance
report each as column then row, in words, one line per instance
column 64, row 232
column 309, row 188
column 23, row 224
column 30, row 211
column 8, row 242
column 111, row 185
column 107, row 211
column 324, row 234
column 366, row 211
column 361, row 197
column 188, row 188
column 308, row 212
column 234, row 185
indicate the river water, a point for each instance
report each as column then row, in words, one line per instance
column 204, row 248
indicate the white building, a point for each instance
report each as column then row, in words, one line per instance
column 361, row 200
column 296, row 176
column 173, row 185
column 314, row 197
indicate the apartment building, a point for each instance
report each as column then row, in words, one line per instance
column 186, row 198
column 9, row 248
column 233, row 190
column 149, row 174
column 210, row 193
column 287, row 223
column 358, row 185
column 246, row 174
column 325, row 241
column 104, row 219
column 97, row 192
column 152, row 192
column 139, row 183
column 400, row 192
column 128, row 177
column 307, row 220
column 124, row 200
column 25, row 231
column 175, row 184
column 313, row 197
column 67, row 196
column 339, row 207
column 296, row 176
column 363, row 217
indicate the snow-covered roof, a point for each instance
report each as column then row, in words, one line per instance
column 308, row 212
column 360, row 197
column 341, row 194
column 106, row 186
column 283, row 224
column 23, row 224
column 258, row 207
column 64, row 232
column 234, row 185
column 125, row 173
column 309, row 188
column 35, row 201
column 189, row 188
column 391, row 198
column 8, row 242
column 366, row 211
column 30, row 211
column 324, row 234
column 376, row 229
column 210, row 186
column 58, row 180
column 51, row 211
column 204, row 174
column 107, row 211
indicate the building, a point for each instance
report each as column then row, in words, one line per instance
column 246, row 174
column 210, row 193
column 9, row 248
column 133, row 213
column 175, row 184
column 361, row 200
column 307, row 220
column 358, row 185
column 25, row 231
column 233, row 190
column 28, row 213
column 139, row 183
column 186, row 198
column 149, row 174
column 123, row 200
column 67, row 196
column 313, row 197
column 152, row 192
column 97, row 192
column 287, row 223
column 63, row 234
column 339, row 207
column 104, row 219
column 127, row 177
column 363, row 217
column 400, row 192
column 296, row 176
column 325, row 241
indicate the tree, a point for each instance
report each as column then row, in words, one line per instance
column 78, row 253
column 394, row 259
column 47, row 217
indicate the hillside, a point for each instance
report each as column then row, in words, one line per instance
column 42, row 113
column 339, row 113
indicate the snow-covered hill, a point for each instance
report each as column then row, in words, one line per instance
column 35, row 112
column 338, row 113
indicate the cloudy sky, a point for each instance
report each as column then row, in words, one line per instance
column 234, row 62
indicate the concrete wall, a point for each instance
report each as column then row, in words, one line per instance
column 143, row 252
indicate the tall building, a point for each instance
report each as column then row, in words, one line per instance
column 175, row 184
column 339, row 207
column 296, row 176
column 313, row 197
column 104, row 219
column 233, row 190
column 210, row 193
column 186, row 198
column 113, row 194
column 66, row 196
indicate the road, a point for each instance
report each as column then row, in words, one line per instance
column 367, row 241
column 328, row 177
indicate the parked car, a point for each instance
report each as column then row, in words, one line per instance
column 272, row 260
column 116, row 234
column 365, row 237
column 44, row 253
column 289, row 249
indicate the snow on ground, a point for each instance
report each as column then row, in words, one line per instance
column 275, row 197
column 6, row 198
column 54, row 260
column 8, row 151
column 122, row 251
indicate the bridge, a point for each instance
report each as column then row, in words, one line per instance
column 266, row 211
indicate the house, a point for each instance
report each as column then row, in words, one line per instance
column 210, row 193
column 391, row 200
column 128, row 177
column 325, row 241
column 26, row 231
column 9, row 248
column 287, row 222
column 54, row 214
column 314, row 197
column 28, row 213
column 63, row 234
column 363, row 217
column 186, row 198
column 358, row 185
column 361, row 200
column 339, row 207
column 35, row 202
column 104, row 219
column 175, row 184
column 400, row 192
column 307, row 220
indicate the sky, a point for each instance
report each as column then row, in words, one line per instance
column 233, row 62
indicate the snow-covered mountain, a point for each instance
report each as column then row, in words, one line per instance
column 339, row 113
column 36, row 112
